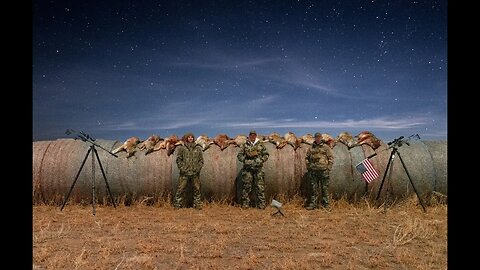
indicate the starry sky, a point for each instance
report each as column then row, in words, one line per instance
column 116, row 69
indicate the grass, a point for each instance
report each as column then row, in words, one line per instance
column 150, row 234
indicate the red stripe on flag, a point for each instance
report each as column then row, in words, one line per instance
column 370, row 174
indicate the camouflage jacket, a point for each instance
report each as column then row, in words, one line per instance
column 319, row 157
column 253, row 155
column 189, row 159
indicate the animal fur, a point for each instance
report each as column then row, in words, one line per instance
column 149, row 144
column 204, row 142
column 367, row 137
column 239, row 140
column 346, row 139
column 308, row 139
column 278, row 140
column 129, row 146
column 328, row 140
column 223, row 141
column 169, row 144
column 292, row 140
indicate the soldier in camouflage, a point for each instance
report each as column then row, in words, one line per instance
column 189, row 163
column 319, row 161
column 253, row 154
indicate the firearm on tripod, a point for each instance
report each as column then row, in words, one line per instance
column 401, row 140
column 86, row 138
column 394, row 145
column 93, row 151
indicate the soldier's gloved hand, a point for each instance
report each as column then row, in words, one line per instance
column 248, row 162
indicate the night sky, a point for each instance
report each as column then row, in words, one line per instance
column 116, row 69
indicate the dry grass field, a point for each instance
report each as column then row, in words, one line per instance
column 222, row 236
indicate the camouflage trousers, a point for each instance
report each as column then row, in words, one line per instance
column 180, row 194
column 318, row 180
column 253, row 179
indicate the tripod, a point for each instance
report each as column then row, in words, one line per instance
column 92, row 150
column 389, row 165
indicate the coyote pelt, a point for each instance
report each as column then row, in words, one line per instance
column 239, row 140
column 367, row 137
column 307, row 138
column 204, row 142
column 169, row 144
column 223, row 141
column 292, row 140
column 278, row 140
column 129, row 146
column 364, row 137
column 149, row 144
column 346, row 139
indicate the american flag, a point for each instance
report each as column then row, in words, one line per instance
column 367, row 170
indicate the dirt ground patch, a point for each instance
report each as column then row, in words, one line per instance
column 222, row 236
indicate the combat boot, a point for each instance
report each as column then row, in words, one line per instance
column 313, row 204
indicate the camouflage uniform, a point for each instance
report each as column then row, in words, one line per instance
column 189, row 162
column 253, row 155
column 319, row 161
